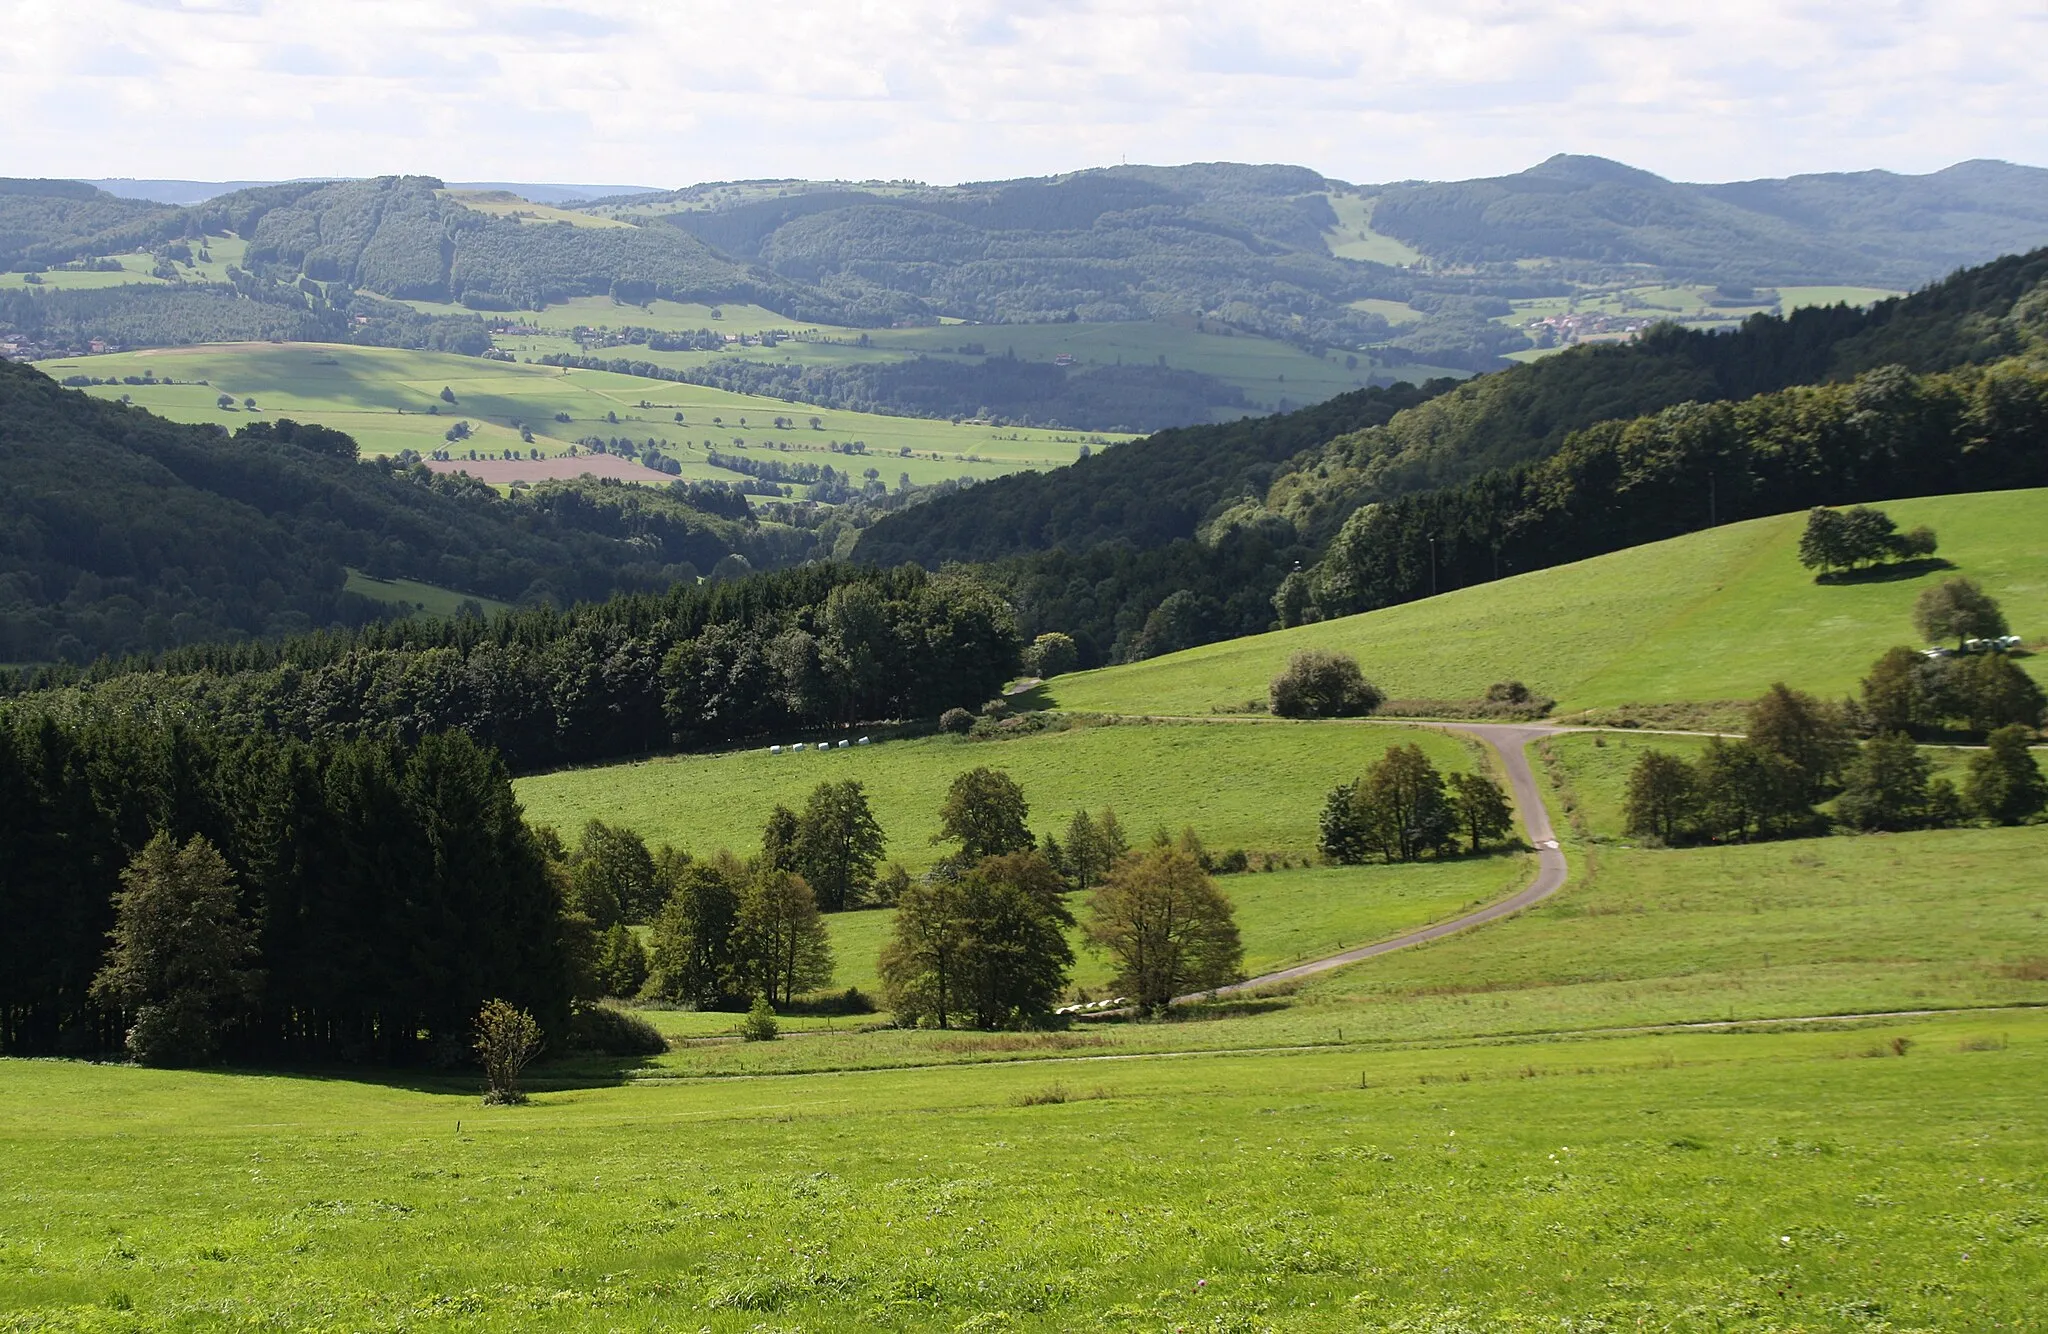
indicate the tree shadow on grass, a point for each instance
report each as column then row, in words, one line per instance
column 1895, row 572
column 579, row 1071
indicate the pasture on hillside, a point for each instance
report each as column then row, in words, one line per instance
column 389, row 400
column 1710, row 617
column 1155, row 776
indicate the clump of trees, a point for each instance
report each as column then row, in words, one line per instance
column 1909, row 692
column 1800, row 752
column 1858, row 537
column 1402, row 809
column 1322, row 683
column 1760, row 786
column 982, row 939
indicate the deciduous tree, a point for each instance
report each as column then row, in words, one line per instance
column 692, row 959
column 1807, row 733
column 779, row 941
column 838, row 843
column 1885, row 787
column 2005, row 782
column 1663, row 796
column 984, row 813
column 1958, row 609
column 1166, row 928
column 1321, row 683
column 1481, row 807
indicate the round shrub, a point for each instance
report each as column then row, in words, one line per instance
column 610, row 1031
column 958, row 721
column 1051, row 654
column 1507, row 692
column 1319, row 683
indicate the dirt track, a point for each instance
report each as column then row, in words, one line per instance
column 1510, row 742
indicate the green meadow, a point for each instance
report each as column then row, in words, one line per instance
column 1811, row 1178
column 389, row 400
column 136, row 266
column 412, row 595
column 1713, row 616
column 1354, row 238
column 1255, row 787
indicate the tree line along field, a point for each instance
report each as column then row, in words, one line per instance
column 383, row 397
column 1711, row 617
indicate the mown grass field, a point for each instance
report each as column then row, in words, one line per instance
column 1713, row 616
column 1153, row 775
column 1802, row 1180
column 389, row 400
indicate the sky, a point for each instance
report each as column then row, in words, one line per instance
column 670, row 92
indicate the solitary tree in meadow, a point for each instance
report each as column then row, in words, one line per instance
column 1321, row 683
column 1166, row 927
column 1958, row 609
column 507, row 1040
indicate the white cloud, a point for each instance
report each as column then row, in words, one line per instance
column 669, row 91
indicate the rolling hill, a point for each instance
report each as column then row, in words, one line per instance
column 1702, row 619
column 123, row 533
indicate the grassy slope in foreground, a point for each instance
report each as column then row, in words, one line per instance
column 382, row 397
column 1751, row 1182
column 1715, row 615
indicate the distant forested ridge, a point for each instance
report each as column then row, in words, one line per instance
column 1874, row 227
column 1160, row 543
column 696, row 666
column 1143, row 493
column 121, row 532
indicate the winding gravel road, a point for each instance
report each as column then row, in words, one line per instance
column 1510, row 742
